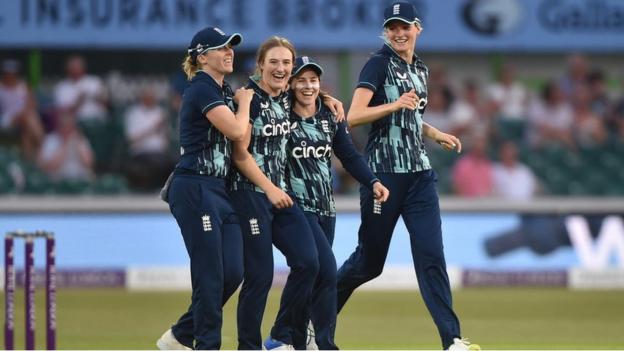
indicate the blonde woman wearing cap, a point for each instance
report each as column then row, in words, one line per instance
column 197, row 194
column 391, row 95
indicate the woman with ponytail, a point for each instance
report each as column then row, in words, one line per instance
column 197, row 194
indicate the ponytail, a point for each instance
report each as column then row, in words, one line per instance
column 189, row 67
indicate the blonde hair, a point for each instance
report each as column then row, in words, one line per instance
column 189, row 67
column 269, row 44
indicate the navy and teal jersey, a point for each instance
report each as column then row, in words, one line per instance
column 395, row 143
column 270, row 130
column 312, row 141
column 203, row 148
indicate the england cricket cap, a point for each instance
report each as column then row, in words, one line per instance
column 211, row 38
column 402, row 11
column 302, row 62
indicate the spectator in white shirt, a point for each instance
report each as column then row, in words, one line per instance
column 80, row 94
column 507, row 96
column 469, row 113
column 512, row 179
column 551, row 118
column 66, row 153
column 147, row 134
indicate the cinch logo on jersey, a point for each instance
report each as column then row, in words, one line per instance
column 275, row 129
column 305, row 151
column 206, row 223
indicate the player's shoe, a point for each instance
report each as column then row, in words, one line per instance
column 169, row 342
column 310, row 338
column 463, row 345
column 272, row 344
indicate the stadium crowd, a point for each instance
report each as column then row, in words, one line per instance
column 105, row 135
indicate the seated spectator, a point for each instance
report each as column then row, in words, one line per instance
column 551, row 118
column 66, row 153
column 589, row 129
column 508, row 97
column 616, row 118
column 18, row 110
column 512, row 179
column 599, row 100
column 576, row 74
column 80, row 94
column 147, row 134
column 472, row 173
column 469, row 114
column 84, row 97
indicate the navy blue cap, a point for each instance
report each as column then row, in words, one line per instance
column 302, row 62
column 402, row 11
column 211, row 38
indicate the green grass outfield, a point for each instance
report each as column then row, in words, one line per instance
column 495, row 318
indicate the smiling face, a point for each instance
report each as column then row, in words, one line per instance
column 306, row 86
column 402, row 37
column 220, row 61
column 275, row 69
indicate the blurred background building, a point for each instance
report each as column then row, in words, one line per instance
column 542, row 77
column 89, row 97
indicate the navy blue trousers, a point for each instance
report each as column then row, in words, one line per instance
column 263, row 225
column 414, row 197
column 213, row 240
column 323, row 305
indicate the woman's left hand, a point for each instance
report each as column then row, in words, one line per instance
column 381, row 192
column 335, row 106
column 448, row 142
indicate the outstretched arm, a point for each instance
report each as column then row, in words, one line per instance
column 334, row 105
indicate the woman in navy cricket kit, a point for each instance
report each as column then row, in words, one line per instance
column 266, row 211
column 197, row 194
column 392, row 95
column 314, row 135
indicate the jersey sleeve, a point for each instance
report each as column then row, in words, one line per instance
column 254, row 108
column 373, row 73
column 207, row 98
column 351, row 159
